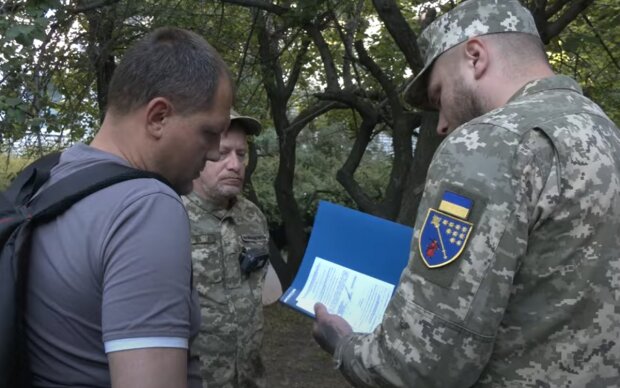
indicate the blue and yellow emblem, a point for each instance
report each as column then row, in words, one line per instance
column 445, row 231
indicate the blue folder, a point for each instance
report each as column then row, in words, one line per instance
column 356, row 240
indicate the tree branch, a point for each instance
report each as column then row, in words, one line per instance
column 271, row 72
column 91, row 6
column 296, row 69
column 329, row 66
column 377, row 72
column 345, row 175
column 246, row 47
column 540, row 6
column 600, row 39
column 538, row 10
column 405, row 38
column 347, row 40
column 11, row 7
column 555, row 8
column 310, row 113
column 264, row 5
column 365, row 109
column 347, row 58
column 555, row 28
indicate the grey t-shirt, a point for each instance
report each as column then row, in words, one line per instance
column 111, row 273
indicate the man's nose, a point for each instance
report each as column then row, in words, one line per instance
column 442, row 126
column 234, row 162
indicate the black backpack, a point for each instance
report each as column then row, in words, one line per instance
column 20, row 212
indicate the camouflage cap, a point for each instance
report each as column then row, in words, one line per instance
column 470, row 18
column 249, row 124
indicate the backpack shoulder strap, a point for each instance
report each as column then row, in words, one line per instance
column 31, row 178
column 60, row 196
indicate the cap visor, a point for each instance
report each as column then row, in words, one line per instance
column 252, row 126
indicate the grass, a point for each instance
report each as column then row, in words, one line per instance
column 10, row 165
column 292, row 357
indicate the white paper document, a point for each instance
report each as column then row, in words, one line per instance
column 358, row 298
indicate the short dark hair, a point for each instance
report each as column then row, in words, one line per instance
column 168, row 62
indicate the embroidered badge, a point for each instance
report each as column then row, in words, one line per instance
column 446, row 230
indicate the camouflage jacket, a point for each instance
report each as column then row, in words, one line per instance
column 530, row 296
column 230, row 302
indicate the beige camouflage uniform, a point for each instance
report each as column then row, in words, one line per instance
column 534, row 298
column 231, row 302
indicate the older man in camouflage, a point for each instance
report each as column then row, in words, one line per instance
column 229, row 252
column 523, row 200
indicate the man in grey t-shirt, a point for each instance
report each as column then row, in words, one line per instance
column 109, row 301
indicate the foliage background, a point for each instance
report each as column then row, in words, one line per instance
column 323, row 76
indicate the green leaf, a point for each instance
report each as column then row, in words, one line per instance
column 22, row 33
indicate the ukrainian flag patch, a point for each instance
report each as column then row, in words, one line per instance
column 446, row 230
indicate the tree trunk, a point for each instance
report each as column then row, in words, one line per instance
column 289, row 211
column 101, row 24
column 427, row 144
column 275, row 257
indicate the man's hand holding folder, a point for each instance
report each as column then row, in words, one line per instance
column 329, row 329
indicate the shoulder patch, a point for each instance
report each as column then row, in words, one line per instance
column 446, row 230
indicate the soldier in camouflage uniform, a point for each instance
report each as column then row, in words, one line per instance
column 229, row 252
column 514, row 272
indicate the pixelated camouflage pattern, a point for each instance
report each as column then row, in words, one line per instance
column 231, row 332
column 468, row 19
column 534, row 300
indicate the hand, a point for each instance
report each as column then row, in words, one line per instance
column 329, row 329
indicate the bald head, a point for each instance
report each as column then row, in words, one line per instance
column 481, row 74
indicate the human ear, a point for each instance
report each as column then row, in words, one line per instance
column 476, row 53
column 158, row 110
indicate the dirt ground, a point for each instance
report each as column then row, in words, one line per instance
column 292, row 358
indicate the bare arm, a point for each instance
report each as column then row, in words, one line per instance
column 149, row 368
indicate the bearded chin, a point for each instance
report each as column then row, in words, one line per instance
column 471, row 106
